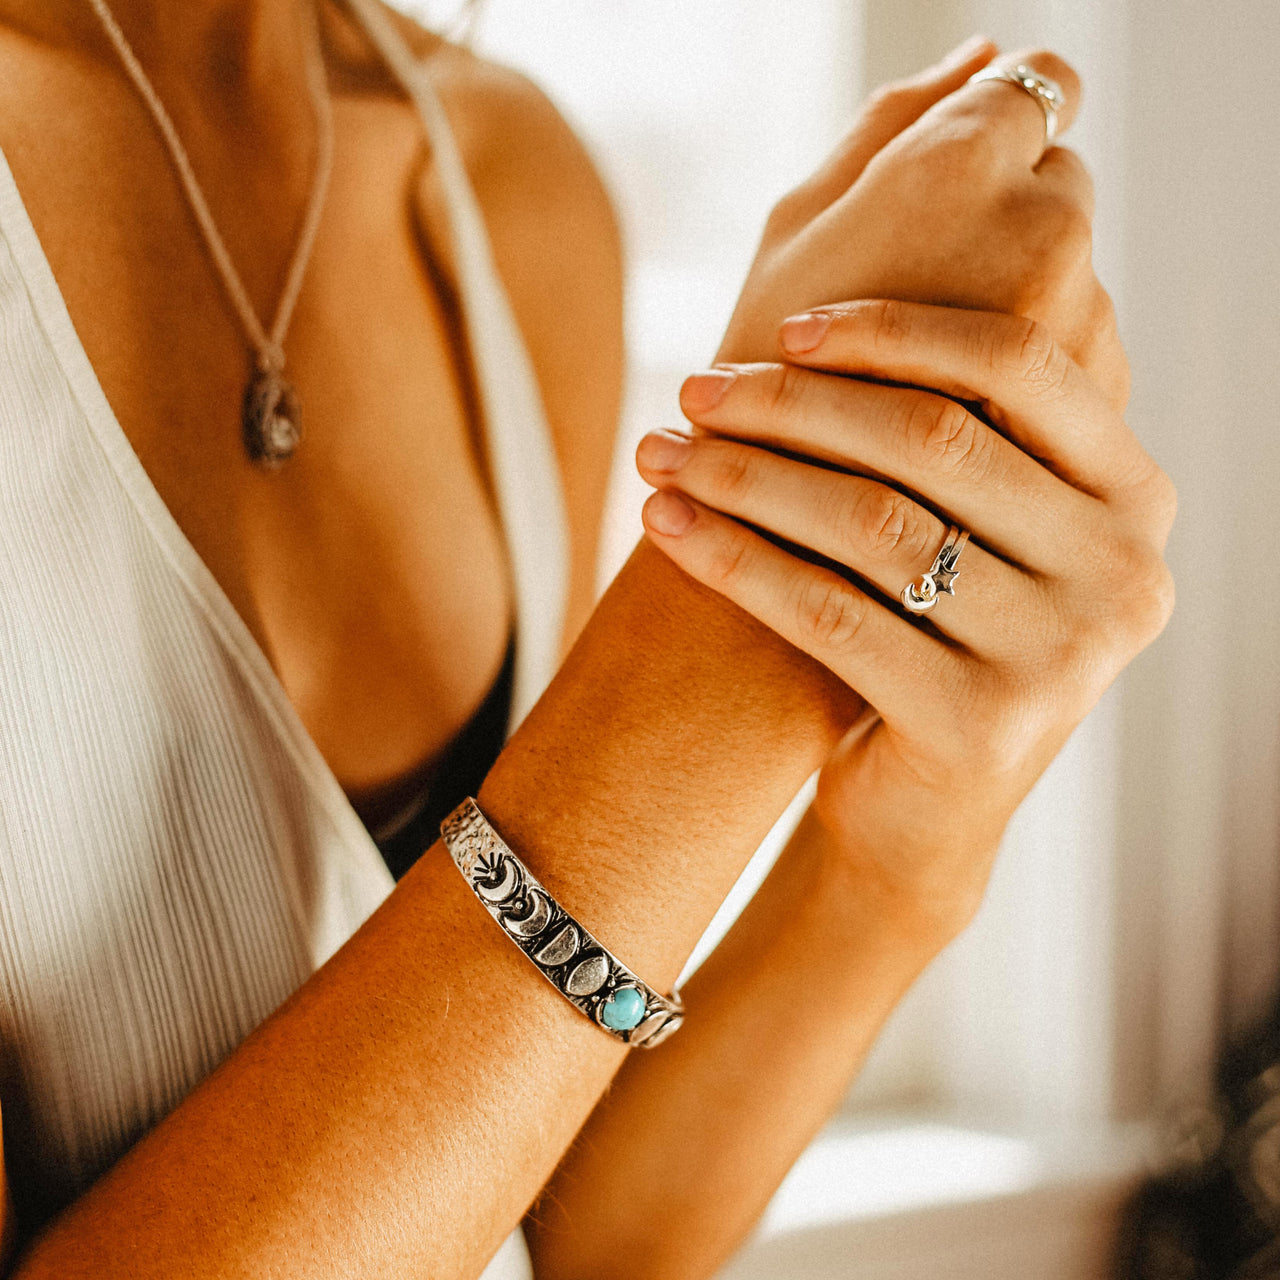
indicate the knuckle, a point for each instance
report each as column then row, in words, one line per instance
column 788, row 211
column 888, row 323
column 733, row 470
column 889, row 524
column 1103, row 319
column 785, row 386
column 968, row 147
column 1151, row 598
column 1060, row 225
column 1065, row 652
column 728, row 561
column 1050, row 246
column 890, row 99
column 949, row 438
column 1072, row 228
column 1141, row 593
column 1071, row 658
column 1083, row 186
column 1037, row 360
column 1164, row 502
column 830, row 612
column 1151, row 498
column 1001, row 731
column 1102, row 354
column 1165, row 599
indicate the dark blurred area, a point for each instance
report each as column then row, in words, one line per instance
column 1216, row 1214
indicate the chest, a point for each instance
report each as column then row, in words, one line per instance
column 370, row 569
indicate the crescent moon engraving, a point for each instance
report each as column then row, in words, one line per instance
column 921, row 598
column 534, row 920
column 501, row 891
column 560, row 948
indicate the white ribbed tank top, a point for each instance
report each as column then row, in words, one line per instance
column 175, row 855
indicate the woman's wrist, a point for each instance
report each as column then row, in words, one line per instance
column 674, row 734
column 921, row 912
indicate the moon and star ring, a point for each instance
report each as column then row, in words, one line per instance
column 589, row 976
column 921, row 595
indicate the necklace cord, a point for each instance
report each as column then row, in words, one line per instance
column 269, row 346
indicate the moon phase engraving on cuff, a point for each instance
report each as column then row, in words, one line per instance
column 534, row 921
column 588, row 977
column 499, row 880
column 564, row 946
column 586, row 973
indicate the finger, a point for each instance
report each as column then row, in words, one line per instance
column 924, row 443
column 882, row 535
column 1099, row 352
column 1062, row 172
column 892, row 108
column 1026, row 384
column 1010, row 112
column 878, row 653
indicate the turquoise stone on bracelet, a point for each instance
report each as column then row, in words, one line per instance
column 623, row 1010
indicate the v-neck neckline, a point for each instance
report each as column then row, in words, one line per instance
column 512, row 419
column 53, row 315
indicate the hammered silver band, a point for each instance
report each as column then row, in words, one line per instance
column 1048, row 93
column 587, row 974
column 921, row 595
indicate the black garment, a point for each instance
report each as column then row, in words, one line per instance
column 459, row 773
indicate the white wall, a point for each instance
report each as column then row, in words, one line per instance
column 1202, row 780
column 700, row 115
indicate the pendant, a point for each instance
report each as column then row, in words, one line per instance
column 271, row 420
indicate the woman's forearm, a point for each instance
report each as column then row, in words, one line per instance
column 400, row 1112
column 681, row 1155
column 649, row 790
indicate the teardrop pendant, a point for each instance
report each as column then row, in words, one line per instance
column 272, row 422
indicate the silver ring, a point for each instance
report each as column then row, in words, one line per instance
column 1048, row 93
column 921, row 595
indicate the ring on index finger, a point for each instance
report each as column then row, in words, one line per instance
column 1048, row 93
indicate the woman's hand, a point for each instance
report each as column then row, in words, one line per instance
column 943, row 192
column 1062, row 583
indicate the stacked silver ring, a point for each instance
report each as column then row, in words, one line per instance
column 1047, row 93
column 588, row 975
column 921, row 595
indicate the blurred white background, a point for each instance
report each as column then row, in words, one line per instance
column 1135, row 915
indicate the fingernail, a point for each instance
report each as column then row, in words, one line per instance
column 663, row 451
column 703, row 391
column 668, row 513
column 803, row 333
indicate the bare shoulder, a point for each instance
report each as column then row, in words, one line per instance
column 511, row 133
column 558, row 250
column 547, row 209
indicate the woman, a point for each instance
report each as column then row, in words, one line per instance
column 211, row 666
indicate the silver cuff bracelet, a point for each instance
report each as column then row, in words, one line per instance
column 585, row 973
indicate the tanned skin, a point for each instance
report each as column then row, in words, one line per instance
column 401, row 1112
